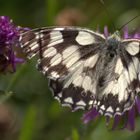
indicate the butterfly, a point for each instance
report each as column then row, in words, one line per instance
column 85, row 68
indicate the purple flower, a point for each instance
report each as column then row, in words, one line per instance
column 126, row 120
column 9, row 34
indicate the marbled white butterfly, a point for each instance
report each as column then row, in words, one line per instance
column 85, row 68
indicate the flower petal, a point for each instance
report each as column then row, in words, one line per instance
column 137, row 100
column 131, row 119
column 125, row 32
column 89, row 115
column 106, row 33
column 9, row 35
column 116, row 121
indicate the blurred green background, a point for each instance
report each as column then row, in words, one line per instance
column 31, row 113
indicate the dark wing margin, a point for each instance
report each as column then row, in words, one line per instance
column 72, row 96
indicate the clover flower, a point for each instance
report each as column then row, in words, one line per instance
column 126, row 120
column 9, row 34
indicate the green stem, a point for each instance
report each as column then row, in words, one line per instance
column 16, row 77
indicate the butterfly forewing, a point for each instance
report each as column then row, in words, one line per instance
column 61, row 48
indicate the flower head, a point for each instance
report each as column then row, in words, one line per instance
column 127, row 119
column 9, row 34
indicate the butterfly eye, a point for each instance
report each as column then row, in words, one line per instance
column 101, row 81
column 111, row 51
column 112, row 54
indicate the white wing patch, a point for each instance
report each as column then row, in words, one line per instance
column 39, row 35
column 81, row 103
column 132, row 71
column 78, row 81
column 56, row 59
column 49, row 52
column 69, row 50
column 54, row 74
column 55, row 38
column 109, row 109
column 74, row 77
column 112, row 86
column 86, row 83
column 59, row 29
column 91, row 61
column 33, row 46
column 68, row 100
column 120, row 86
column 74, row 57
column 133, row 48
column 136, row 63
column 119, row 66
column 85, row 38
column 103, row 107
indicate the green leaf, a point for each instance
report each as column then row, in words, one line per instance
column 4, row 95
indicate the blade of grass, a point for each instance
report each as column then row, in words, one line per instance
column 75, row 135
column 4, row 95
column 28, row 128
column 51, row 8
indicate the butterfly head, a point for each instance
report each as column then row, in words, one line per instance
column 112, row 44
column 114, row 39
column 115, row 36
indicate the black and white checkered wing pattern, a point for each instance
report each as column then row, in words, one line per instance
column 121, row 80
column 86, row 69
column 60, row 48
column 68, row 56
column 131, row 62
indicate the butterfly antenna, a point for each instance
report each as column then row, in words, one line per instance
column 128, row 22
column 113, row 25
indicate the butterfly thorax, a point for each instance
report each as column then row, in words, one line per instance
column 107, row 62
column 113, row 43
